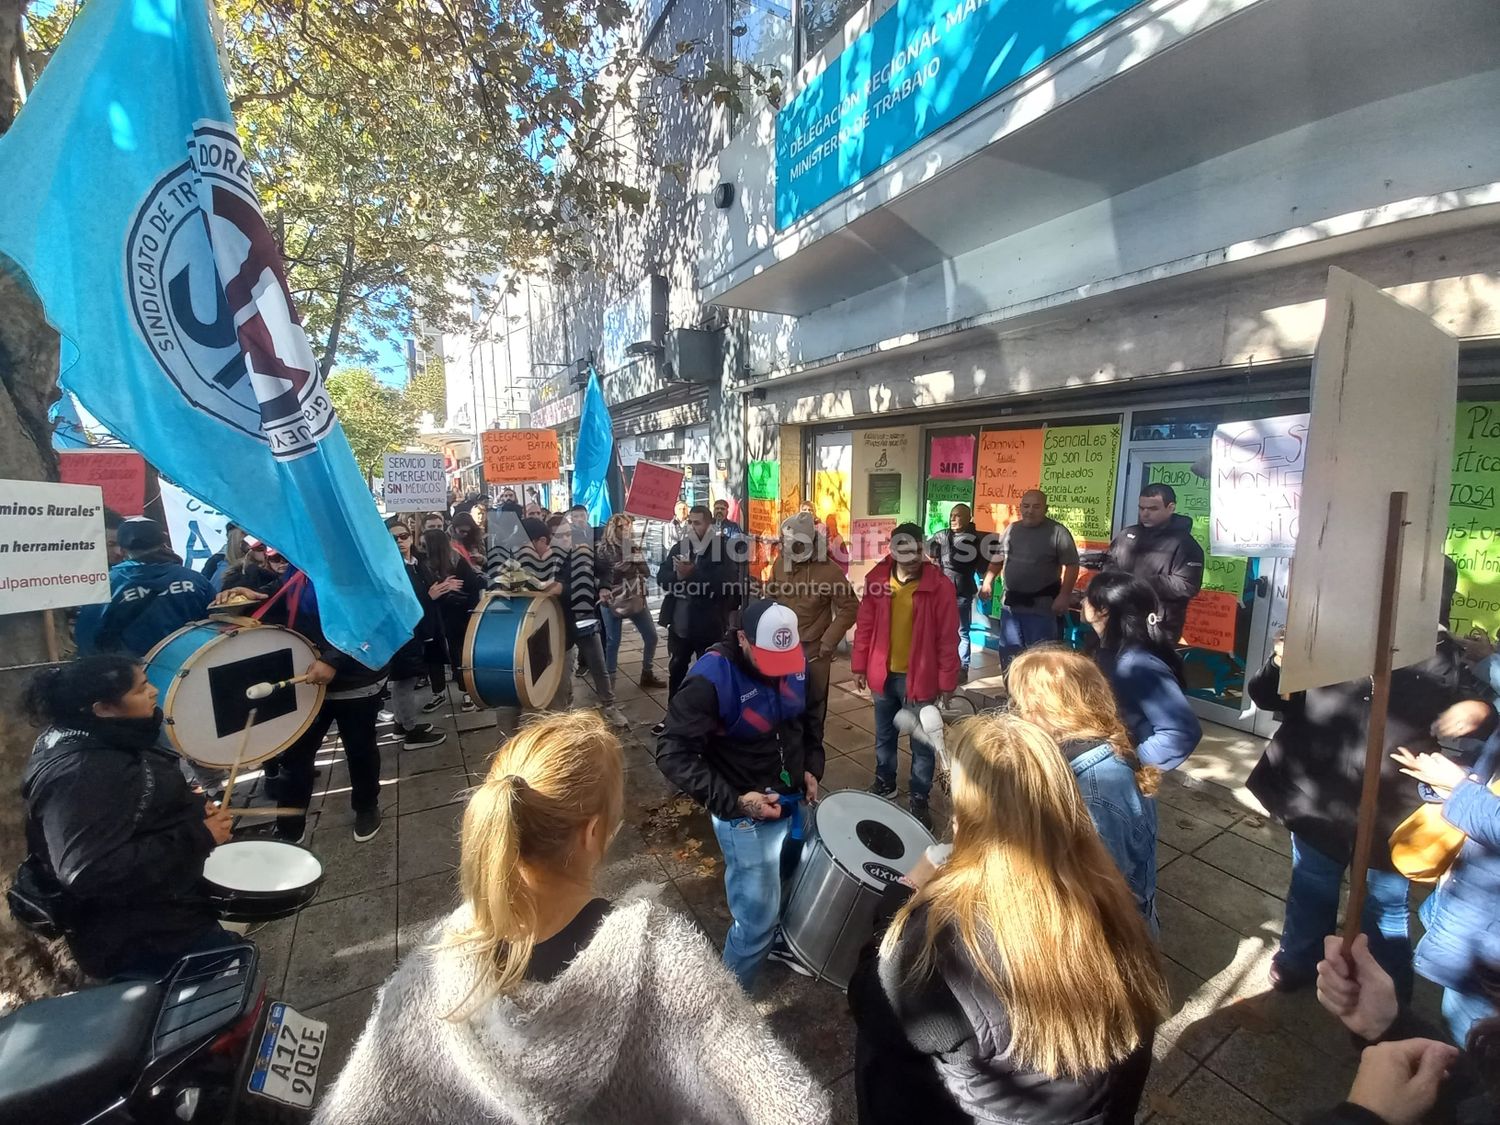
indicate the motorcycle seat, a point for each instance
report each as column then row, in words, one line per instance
column 70, row 1057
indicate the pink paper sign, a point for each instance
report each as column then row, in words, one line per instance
column 654, row 491
column 952, row 458
column 869, row 539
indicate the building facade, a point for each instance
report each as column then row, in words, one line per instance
column 982, row 244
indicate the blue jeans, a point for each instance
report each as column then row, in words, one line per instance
column 1019, row 631
column 614, row 627
column 753, row 851
column 923, row 761
column 1312, row 907
column 965, row 624
column 1463, row 1010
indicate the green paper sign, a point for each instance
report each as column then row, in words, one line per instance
column 1473, row 518
column 1078, row 476
column 765, row 480
column 951, row 491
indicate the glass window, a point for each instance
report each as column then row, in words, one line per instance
column 1195, row 422
column 761, row 35
column 821, row 21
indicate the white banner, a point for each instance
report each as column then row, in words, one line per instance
column 415, row 482
column 52, row 543
column 1255, row 495
column 196, row 529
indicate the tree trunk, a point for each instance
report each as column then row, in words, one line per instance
column 340, row 306
column 12, row 50
column 29, row 968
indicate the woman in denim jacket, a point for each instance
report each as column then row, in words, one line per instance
column 1066, row 694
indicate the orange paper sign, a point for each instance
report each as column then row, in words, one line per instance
column 1211, row 620
column 1009, row 463
column 520, row 456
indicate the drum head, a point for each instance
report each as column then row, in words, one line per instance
column 208, row 666
column 869, row 837
column 261, row 867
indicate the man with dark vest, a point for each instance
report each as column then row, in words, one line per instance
column 736, row 741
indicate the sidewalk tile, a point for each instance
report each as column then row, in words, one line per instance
column 342, row 946
column 346, row 1018
column 428, row 841
column 430, row 790
column 1280, row 1072
column 1248, row 861
column 351, row 867
column 1266, row 833
column 1205, row 1098
column 1182, row 830
column 1236, row 904
column 420, row 903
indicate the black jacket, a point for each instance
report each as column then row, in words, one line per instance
column 715, row 769
column 1311, row 773
column 112, row 817
column 964, row 556
column 1169, row 558
column 702, row 596
column 937, row 1050
column 411, row 659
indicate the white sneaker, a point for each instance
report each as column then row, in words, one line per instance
column 782, row 954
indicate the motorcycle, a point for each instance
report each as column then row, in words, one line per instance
column 204, row 1044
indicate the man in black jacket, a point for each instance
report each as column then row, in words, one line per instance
column 1162, row 551
column 736, row 741
column 352, row 701
column 694, row 577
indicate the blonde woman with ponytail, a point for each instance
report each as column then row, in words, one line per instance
column 1066, row 694
column 1016, row 980
column 539, row 1001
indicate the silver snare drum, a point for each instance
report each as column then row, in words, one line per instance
column 860, row 843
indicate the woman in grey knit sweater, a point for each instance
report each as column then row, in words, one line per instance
column 538, row 1002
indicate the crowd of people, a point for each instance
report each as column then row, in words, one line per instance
column 1012, row 973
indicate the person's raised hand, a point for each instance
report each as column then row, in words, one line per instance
column 1399, row 1082
column 1355, row 988
column 1436, row 770
column 1462, row 719
column 237, row 594
column 760, row 806
column 218, row 822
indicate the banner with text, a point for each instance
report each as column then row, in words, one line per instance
column 1257, row 486
column 120, row 473
column 52, row 540
column 415, row 482
column 520, row 456
column 1009, row 463
column 942, row 495
column 1473, row 521
column 198, row 531
column 922, row 64
column 654, row 491
column 1078, row 476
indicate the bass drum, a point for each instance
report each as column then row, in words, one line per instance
column 860, row 844
column 261, row 880
column 513, row 651
column 201, row 673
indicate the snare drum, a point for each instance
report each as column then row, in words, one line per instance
column 201, row 673
column 513, row 651
column 860, row 844
column 261, row 880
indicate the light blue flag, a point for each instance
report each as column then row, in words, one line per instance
column 131, row 210
column 596, row 447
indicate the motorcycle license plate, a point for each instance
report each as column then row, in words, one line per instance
column 286, row 1069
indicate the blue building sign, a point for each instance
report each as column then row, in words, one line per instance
column 923, row 64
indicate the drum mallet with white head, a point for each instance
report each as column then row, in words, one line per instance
column 926, row 723
column 264, row 690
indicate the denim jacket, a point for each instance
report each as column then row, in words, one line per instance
column 1126, row 820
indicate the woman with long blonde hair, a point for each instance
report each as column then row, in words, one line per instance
column 538, row 1000
column 1016, row 981
column 1066, row 694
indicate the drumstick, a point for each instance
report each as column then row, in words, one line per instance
column 261, row 690
column 239, row 756
column 276, row 812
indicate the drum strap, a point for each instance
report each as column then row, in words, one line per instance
column 797, row 803
column 292, row 586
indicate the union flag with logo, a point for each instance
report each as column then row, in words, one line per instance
column 132, row 212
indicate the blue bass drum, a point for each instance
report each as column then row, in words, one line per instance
column 201, row 673
column 513, row 651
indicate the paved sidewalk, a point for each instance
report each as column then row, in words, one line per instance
column 1234, row 1053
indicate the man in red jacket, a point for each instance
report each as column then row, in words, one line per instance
column 906, row 651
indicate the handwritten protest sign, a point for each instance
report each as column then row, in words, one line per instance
column 1257, row 485
column 654, row 491
column 415, row 482
column 942, row 495
column 1009, row 463
column 1473, row 541
column 951, row 457
column 520, row 456
column 765, row 480
column 1211, row 620
column 869, row 539
column 1078, row 476
column 119, row 473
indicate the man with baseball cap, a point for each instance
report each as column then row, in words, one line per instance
column 152, row 595
column 736, row 741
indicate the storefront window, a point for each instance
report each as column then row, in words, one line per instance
column 761, row 34
column 1196, row 423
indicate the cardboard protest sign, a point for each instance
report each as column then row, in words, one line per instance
column 120, row 473
column 654, row 491
column 1078, row 476
column 415, row 482
column 52, row 551
column 520, row 456
column 1257, row 486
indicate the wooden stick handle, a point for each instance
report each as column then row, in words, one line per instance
column 266, row 687
column 1380, row 698
column 278, row 811
column 239, row 756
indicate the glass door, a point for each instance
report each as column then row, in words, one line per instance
column 1229, row 624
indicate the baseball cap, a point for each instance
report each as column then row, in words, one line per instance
column 771, row 629
column 141, row 534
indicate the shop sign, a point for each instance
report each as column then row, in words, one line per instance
column 550, row 415
column 52, row 537
column 921, row 65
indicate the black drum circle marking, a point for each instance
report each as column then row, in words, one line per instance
column 880, row 839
